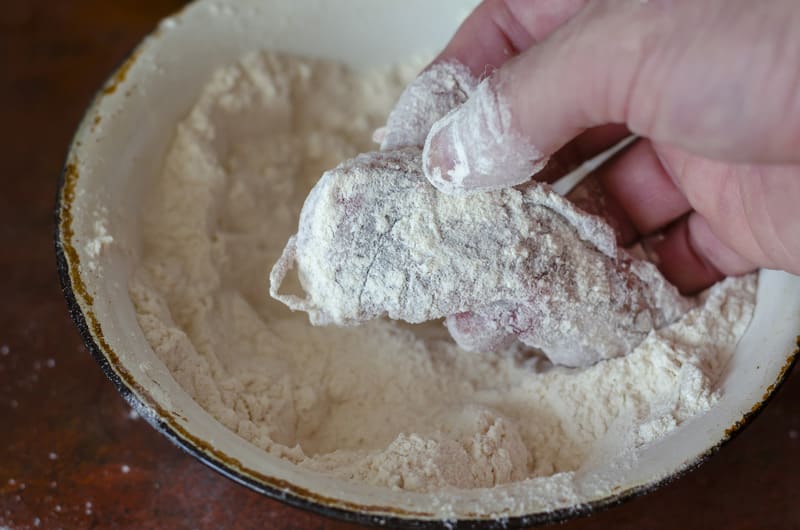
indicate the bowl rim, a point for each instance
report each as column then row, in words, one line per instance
column 80, row 307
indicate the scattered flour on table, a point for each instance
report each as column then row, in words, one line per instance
column 385, row 403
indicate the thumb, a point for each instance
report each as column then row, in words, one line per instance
column 682, row 73
column 529, row 108
column 478, row 146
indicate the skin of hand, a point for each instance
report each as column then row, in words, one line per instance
column 712, row 87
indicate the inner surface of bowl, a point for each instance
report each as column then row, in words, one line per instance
column 119, row 150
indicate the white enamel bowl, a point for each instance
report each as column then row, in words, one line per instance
column 118, row 151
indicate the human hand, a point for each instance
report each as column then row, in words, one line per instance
column 711, row 86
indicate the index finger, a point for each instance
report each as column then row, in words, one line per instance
column 497, row 30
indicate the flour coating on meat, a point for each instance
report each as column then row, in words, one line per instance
column 434, row 93
column 377, row 239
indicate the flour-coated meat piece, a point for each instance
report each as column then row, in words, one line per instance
column 376, row 239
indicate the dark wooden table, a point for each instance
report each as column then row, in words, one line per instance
column 71, row 454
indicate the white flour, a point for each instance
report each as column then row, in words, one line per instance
column 102, row 239
column 434, row 93
column 385, row 403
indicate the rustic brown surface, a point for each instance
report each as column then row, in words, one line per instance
column 70, row 454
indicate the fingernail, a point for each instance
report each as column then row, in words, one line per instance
column 475, row 148
column 438, row 161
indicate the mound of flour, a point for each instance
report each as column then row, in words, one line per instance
column 393, row 405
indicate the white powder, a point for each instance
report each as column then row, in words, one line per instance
column 386, row 403
column 100, row 239
column 434, row 93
